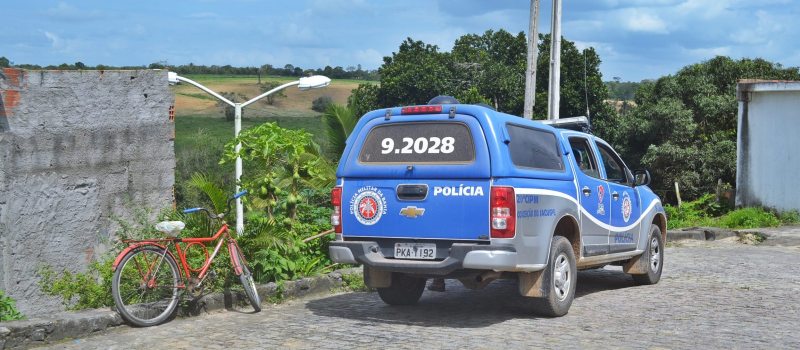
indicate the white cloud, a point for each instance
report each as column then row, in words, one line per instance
column 55, row 41
column 704, row 53
column 368, row 57
column 639, row 20
column 765, row 27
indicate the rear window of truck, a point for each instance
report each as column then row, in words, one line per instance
column 532, row 148
column 419, row 143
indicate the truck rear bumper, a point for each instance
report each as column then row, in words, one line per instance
column 461, row 256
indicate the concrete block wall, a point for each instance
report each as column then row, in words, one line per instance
column 77, row 149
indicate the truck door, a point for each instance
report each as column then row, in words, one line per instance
column 418, row 177
column 625, row 202
column 593, row 196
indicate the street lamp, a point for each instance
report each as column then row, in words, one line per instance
column 305, row 83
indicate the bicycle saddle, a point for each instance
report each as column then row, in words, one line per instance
column 170, row 228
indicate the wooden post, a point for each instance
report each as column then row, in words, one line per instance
column 678, row 193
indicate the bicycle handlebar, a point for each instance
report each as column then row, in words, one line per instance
column 210, row 214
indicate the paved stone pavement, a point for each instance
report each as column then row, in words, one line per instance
column 719, row 295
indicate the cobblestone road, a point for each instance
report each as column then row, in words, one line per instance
column 712, row 295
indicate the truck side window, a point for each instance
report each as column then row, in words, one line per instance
column 615, row 169
column 532, row 148
column 582, row 153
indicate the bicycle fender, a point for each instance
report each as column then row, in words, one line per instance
column 134, row 246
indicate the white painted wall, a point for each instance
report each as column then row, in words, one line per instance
column 768, row 147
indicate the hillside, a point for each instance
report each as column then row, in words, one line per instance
column 190, row 100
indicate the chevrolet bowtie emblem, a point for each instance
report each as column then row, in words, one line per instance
column 412, row 212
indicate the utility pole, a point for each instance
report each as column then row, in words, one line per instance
column 554, row 92
column 533, row 55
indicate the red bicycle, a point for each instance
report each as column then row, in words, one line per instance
column 147, row 282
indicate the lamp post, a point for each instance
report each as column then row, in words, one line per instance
column 306, row 83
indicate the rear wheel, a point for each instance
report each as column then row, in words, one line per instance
column 404, row 290
column 248, row 283
column 145, row 286
column 560, row 277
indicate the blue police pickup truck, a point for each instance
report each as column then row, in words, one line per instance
column 465, row 192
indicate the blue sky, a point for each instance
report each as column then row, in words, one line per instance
column 636, row 39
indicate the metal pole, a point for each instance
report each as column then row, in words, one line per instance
column 533, row 55
column 554, row 92
column 237, row 127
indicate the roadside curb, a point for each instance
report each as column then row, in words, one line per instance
column 63, row 325
column 707, row 233
column 699, row 233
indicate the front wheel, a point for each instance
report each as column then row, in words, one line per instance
column 248, row 283
column 653, row 257
column 145, row 286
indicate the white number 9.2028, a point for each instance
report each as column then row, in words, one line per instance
column 420, row 145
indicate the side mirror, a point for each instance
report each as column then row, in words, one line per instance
column 642, row 177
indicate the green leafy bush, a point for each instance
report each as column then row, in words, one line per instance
column 749, row 218
column 790, row 217
column 81, row 290
column 699, row 212
column 320, row 104
column 355, row 282
column 8, row 308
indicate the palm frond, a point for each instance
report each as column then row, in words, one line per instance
column 339, row 122
column 214, row 192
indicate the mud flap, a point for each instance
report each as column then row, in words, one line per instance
column 377, row 278
column 533, row 284
column 637, row 266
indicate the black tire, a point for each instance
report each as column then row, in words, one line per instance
column 404, row 290
column 560, row 277
column 249, row 285
column 151, row 302
column 653, row 257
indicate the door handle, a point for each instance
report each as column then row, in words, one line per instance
column 615, row 195
column 586, row 191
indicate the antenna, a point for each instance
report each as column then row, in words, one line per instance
column 586, row 86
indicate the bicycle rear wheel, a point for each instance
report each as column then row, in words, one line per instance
column 145, row 286
column 247, row 280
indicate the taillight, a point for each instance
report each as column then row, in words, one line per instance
column 503, row 212
column 336, row 217
column 421, row 110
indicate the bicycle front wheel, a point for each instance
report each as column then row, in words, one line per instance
column 247, row 280
column 145, row 286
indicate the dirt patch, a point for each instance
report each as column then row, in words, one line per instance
column 190, row 101
column 751, row 238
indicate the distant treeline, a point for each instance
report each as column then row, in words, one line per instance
column 622, row 90
column 350, row 72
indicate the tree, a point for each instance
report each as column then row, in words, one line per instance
column 491, row 67
column 414, row 74
column 363, row 99
column 494, row 65
column 684, row 125
column 4, row 62
column 269, row 85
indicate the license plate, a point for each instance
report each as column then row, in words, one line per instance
column 425, row 251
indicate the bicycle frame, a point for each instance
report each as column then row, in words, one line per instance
column 223, row 235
